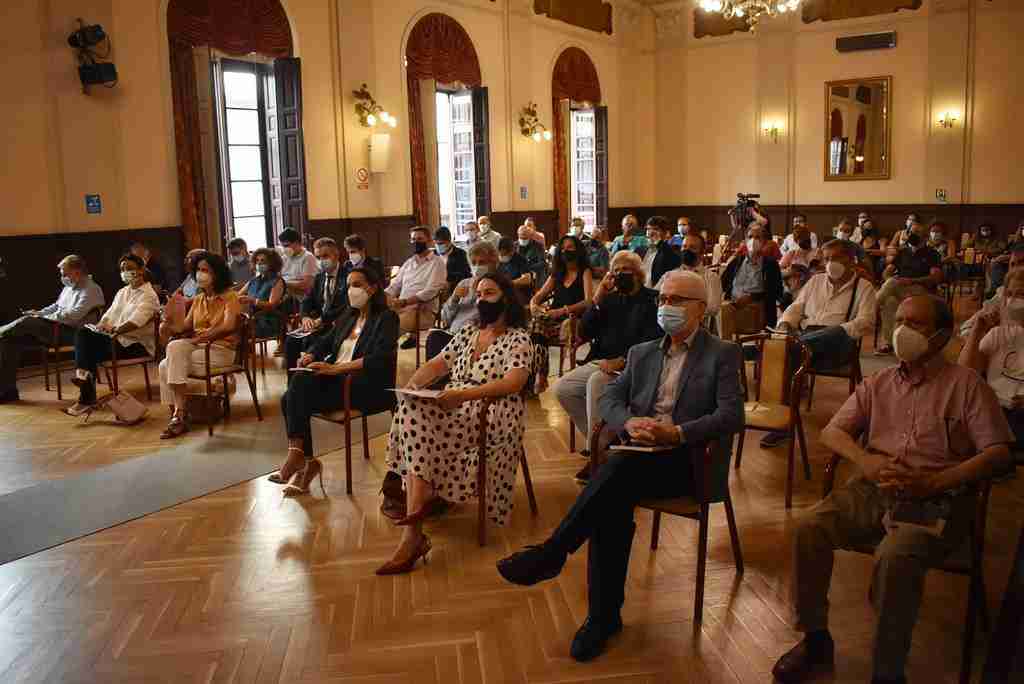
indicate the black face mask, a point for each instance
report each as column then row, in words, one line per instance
column 625, row 282
column 569, row 256
column 418, row 247
column 489, row 312
column 690, row 258
column 914, row 240
column 805, row 244
column 867, row 232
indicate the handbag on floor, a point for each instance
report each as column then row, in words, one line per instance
column 127, row 409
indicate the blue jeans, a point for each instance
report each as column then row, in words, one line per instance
column 830, row 347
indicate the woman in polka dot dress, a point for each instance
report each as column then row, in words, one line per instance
column 433, row 442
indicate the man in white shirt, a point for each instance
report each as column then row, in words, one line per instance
column 486, row 232
column 693, row 252
column 831, row 313
column 300, row 266
column 80, row 297
column 792, row 240
column 420, row 279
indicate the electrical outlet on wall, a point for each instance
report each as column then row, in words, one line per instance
column 940, row 194
column 524, row 192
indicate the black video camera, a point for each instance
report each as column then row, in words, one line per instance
column 741, row 214
column 87, row 37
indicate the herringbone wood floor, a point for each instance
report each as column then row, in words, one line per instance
column 245, row 586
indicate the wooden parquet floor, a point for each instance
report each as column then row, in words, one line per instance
column 245, row 586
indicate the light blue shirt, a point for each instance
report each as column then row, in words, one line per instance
column 748, row 278
column 189, row 287
column 456, row 313
column 75, row 303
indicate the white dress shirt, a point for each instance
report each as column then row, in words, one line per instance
column 712, row 285
column 822, row 303
column 421, row 277
column 790, row 243
column 298, row 267
column 134, row 305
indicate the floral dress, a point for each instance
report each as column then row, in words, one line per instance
column 441, row 446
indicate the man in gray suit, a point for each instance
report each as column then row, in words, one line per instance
column 676, row 393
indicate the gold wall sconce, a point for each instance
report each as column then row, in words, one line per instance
column 369, row 112
column 530, row 126
column 772, row 131
column 948, row 119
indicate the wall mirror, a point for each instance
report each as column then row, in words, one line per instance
column 858, row 130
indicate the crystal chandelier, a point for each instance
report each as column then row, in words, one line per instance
column 751, row 10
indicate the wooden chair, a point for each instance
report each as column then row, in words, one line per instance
column 574, row 344
column 481, row 475
column 243, row 354
column 711, row 482
column 776, row 405
column 344, row 417
column 420, row 337
column 111, row 367
column 56, row 349
column 261, row 342
column 967, row 561
column 851, row 371
column 977, row 281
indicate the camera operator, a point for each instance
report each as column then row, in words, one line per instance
column 752, row 284
column 751, row 214
column 624, row 314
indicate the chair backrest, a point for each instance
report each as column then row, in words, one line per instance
column 246, row 336
column 969, row 255
column 776, row 378
column 727, row 323
column 711, row 469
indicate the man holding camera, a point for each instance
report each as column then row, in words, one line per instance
column 752, row 285
column 624, row 314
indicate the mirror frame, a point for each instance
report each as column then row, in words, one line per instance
column 888, row 130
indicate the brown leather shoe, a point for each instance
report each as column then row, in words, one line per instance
column 393, row 507
column 805, row 659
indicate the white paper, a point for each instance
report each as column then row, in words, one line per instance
column 419, row 393
column 96, row 329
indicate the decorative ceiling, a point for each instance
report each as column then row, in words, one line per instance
column 595, row 15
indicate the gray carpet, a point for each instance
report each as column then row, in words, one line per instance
column 52, row 513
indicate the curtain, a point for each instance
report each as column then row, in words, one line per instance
column 574, row 79
column 238, row 27
column 561, row 123
column 439, row 51
column 432, row 210
column 191, row 180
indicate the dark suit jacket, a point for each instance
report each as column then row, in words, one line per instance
column 377, row 346
column 313, row 305
column 536, row 260
column 665, row 260
column 709, row 404
column 458, row 266
column 771, row 275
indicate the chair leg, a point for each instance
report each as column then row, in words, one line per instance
column 702, row 558
column 56, row 371
column 263, row 359
column 561, row 360
column 366, row 439
column 655, row 530
column 739, row 449
column 348, row 455
column 209, row 397
column 790, row 458
column 250, row 375
column 46, row 370
column 968, row 643
column 481, row 496
column 572, row 437
column 810, row 391
column 529, row 484
column 149, row 386
column 227, row 398
column 803, row 446
column 734, row 534
column 114, row 384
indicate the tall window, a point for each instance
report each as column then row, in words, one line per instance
column 583, row 181
column 455, row 173
column 243, row 153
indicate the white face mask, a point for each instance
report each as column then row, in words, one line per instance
column 262, row 269
column 480, row 270
column 358, row 297
column 485, row 227
column 524, row 242
column 203, row 279
column 356, row 258
column 128, row 277
column 1015, row 309
column 327, row 264
column 67, row 282
column 505, row 259
column 239, row 258
column 909, row 344
column 835, row 270
column 936, row 237
column 753, row 246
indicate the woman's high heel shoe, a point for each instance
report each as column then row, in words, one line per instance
column 394, row 567
column 283, row 475
column 428, row 509
column 300, row 485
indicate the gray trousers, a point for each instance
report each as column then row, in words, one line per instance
column 851, row 518
column 578, row 391
column 27, row 331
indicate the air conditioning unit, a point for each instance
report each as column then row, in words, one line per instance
column 870, row 41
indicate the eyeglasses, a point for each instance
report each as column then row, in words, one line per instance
column 676, row 300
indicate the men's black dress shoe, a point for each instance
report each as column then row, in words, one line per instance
column 804, row 659
column 410, row 342
column 583, row 476
column 591, row 638
column 531, row 565
column 9, row 395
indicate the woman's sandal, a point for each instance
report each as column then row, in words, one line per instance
column 300, row 484
column 283, row 475
column 178, row 426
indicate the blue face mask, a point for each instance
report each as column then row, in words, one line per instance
column 672, row 319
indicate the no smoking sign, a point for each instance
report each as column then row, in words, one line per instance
column 362, row 179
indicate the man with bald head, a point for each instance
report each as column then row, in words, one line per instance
column 676, row 393
column 930, row 431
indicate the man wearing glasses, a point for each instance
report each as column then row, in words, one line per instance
column 675, row 394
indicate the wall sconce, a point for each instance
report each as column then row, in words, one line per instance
column 369, row 112
column 772, row 131
column 948, row 119
column 530, row 126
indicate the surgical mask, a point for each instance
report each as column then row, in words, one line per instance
column 355, row 257
column 358, row 297
column 239, row 258
column 1015, row 309
column 524, row 242
column 753, row 246
column 262, row 269
column 690, row 258
column 909, row 344
column 625, row 282
column 489, row 312
column 845, row 235
column 67, row 282
column 485, row 227
column 909, row 223
column 327, row 265
column 986, row 233
column 682, row 228
column 835, row 270
column 936, row 237
column 480, row 270
column 419, row 247
column 672, row 319
column 653, row 239
column 505, row 259
column 203, row 279
column 444, row 249
column 861, row 220
column 128, row 277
